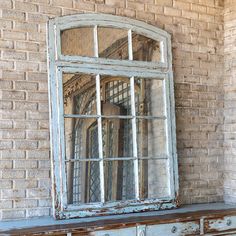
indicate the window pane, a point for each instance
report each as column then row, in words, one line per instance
column 152, row 139
column 112, row 43
column 154, row 178
column 117, row 138
column 77, row 42
column 83, row 182
column 115, row 95
column 145, row 49
column 81, row 139
column 151, row 97
column 119, row 180
column 79, row 92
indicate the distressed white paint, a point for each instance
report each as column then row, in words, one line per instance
column 178, row 229
column 100, row 66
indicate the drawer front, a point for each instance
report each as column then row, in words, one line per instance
column 181, row 228
column 220, row 224
column 117, row 232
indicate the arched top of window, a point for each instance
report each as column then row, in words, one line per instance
column 101, row 38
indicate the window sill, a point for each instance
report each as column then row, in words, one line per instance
column 184, row 213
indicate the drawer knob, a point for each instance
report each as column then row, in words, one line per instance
column 229, row 222
column 174, row 229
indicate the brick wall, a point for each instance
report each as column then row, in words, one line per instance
column 197, row 30
column 230, row 101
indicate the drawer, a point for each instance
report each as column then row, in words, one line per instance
column 116, row 232
column 220, row 224
column 172, row 229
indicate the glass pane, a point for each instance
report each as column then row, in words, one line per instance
column 145, row 49
column 116, row 95
column 117, row 138
column 81, row 138
column 151, row 97
column 154, row 178
column 151, row 138
column 79, row 93
column 112, row 43
column 119, row 180
column 77, row 42
column 83, row 182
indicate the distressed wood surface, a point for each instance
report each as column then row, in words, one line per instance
column 192, row 214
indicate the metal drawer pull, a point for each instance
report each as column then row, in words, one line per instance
column 228, row 222
column 174, row 229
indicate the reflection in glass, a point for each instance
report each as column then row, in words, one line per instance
column 145, row 49
column 112, row 43
column 83, row 182
column 119, row 180
column 78, row 42
column 153, row 178
column 79, row 93
column 151, row 138
column 81, row 137
column 151, row 97
column 116, row 92
column 117, row 138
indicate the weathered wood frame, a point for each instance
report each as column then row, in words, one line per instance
column 58, row 63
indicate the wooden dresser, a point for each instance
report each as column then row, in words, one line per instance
column 199, row 219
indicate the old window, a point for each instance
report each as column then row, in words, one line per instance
column 112, row 116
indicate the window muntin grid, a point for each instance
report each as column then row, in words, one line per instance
column 127, row 68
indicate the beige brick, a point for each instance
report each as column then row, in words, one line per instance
column 26, row 145
column 63, row 3
column 25, row 203
column 14, row 35
column 49, row 10
column 38, row 155
column 14, row 15
column 25, row 164
column 26, row 6
column 39, row 212
column 13, row 154
column 5, row 4
column 6, row 65
column 115, row 3
column 29, row 106
column 6, row 44
column 172, row 11
column 13, row 75
column 27, row 46
column 27, row 66
column 13, row 95
column 26, row 27
column 84, row 6
column 37, row 115
column 14, row 55
column 6, row 24
column 6, row 124
column 109, row 9
column 5, row 145
column 13, row 134
column 25, row 183
column 14, row 174
column 13, row 214
column 38, row 135
column 37, row 193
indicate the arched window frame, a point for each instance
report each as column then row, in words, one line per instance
column 59, row 63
